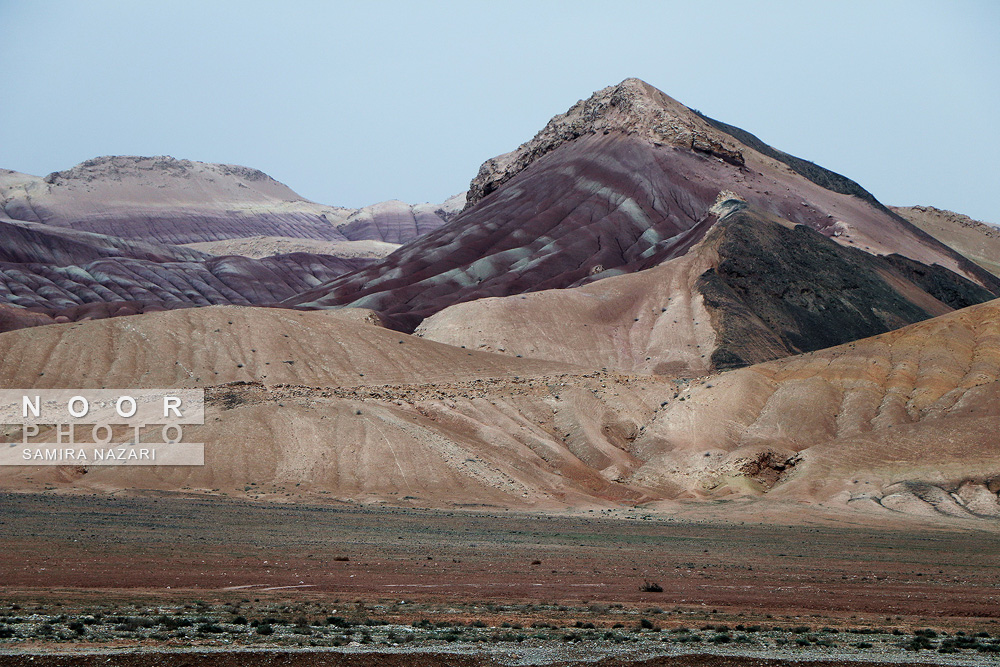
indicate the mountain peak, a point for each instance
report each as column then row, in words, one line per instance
column 631, row 107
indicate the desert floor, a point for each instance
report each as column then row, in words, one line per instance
column 487, row 570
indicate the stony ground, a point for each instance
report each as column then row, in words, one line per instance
column 84, row 573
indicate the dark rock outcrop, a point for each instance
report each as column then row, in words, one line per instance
column 778, row 290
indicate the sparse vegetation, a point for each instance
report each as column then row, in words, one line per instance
column 297, row 624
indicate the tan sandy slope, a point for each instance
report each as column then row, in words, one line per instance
column 324, row 404
column 906, row 420
column 338, row 406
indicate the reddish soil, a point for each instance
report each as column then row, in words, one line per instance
column 64, row 547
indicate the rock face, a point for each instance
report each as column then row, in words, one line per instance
column 755, row 288
column 167, row 200
column 779, row 289
column 44, row 244
column 620, row 183
column 173, row 201
column 629, row 246
column 633, row 107
column 976, row 240
column 12, row 318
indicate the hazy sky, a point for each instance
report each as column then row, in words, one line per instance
column 353, row 103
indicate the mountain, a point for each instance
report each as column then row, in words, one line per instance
column 167, row 200
column 755, row 288
column 173, row 201
column 621, row 182
column 976, row 240
column 378, row 231
column 640, row 305
column 397, row 222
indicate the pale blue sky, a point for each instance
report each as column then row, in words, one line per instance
column 353, row 103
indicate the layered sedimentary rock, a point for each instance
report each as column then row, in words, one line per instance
column 345, row 409
column 622, row 182
column 398, row 222
column 56, row 271
column 167, row 200
column 755, row 288
column 594, row 289
column 173, row 201
column 124, row 235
